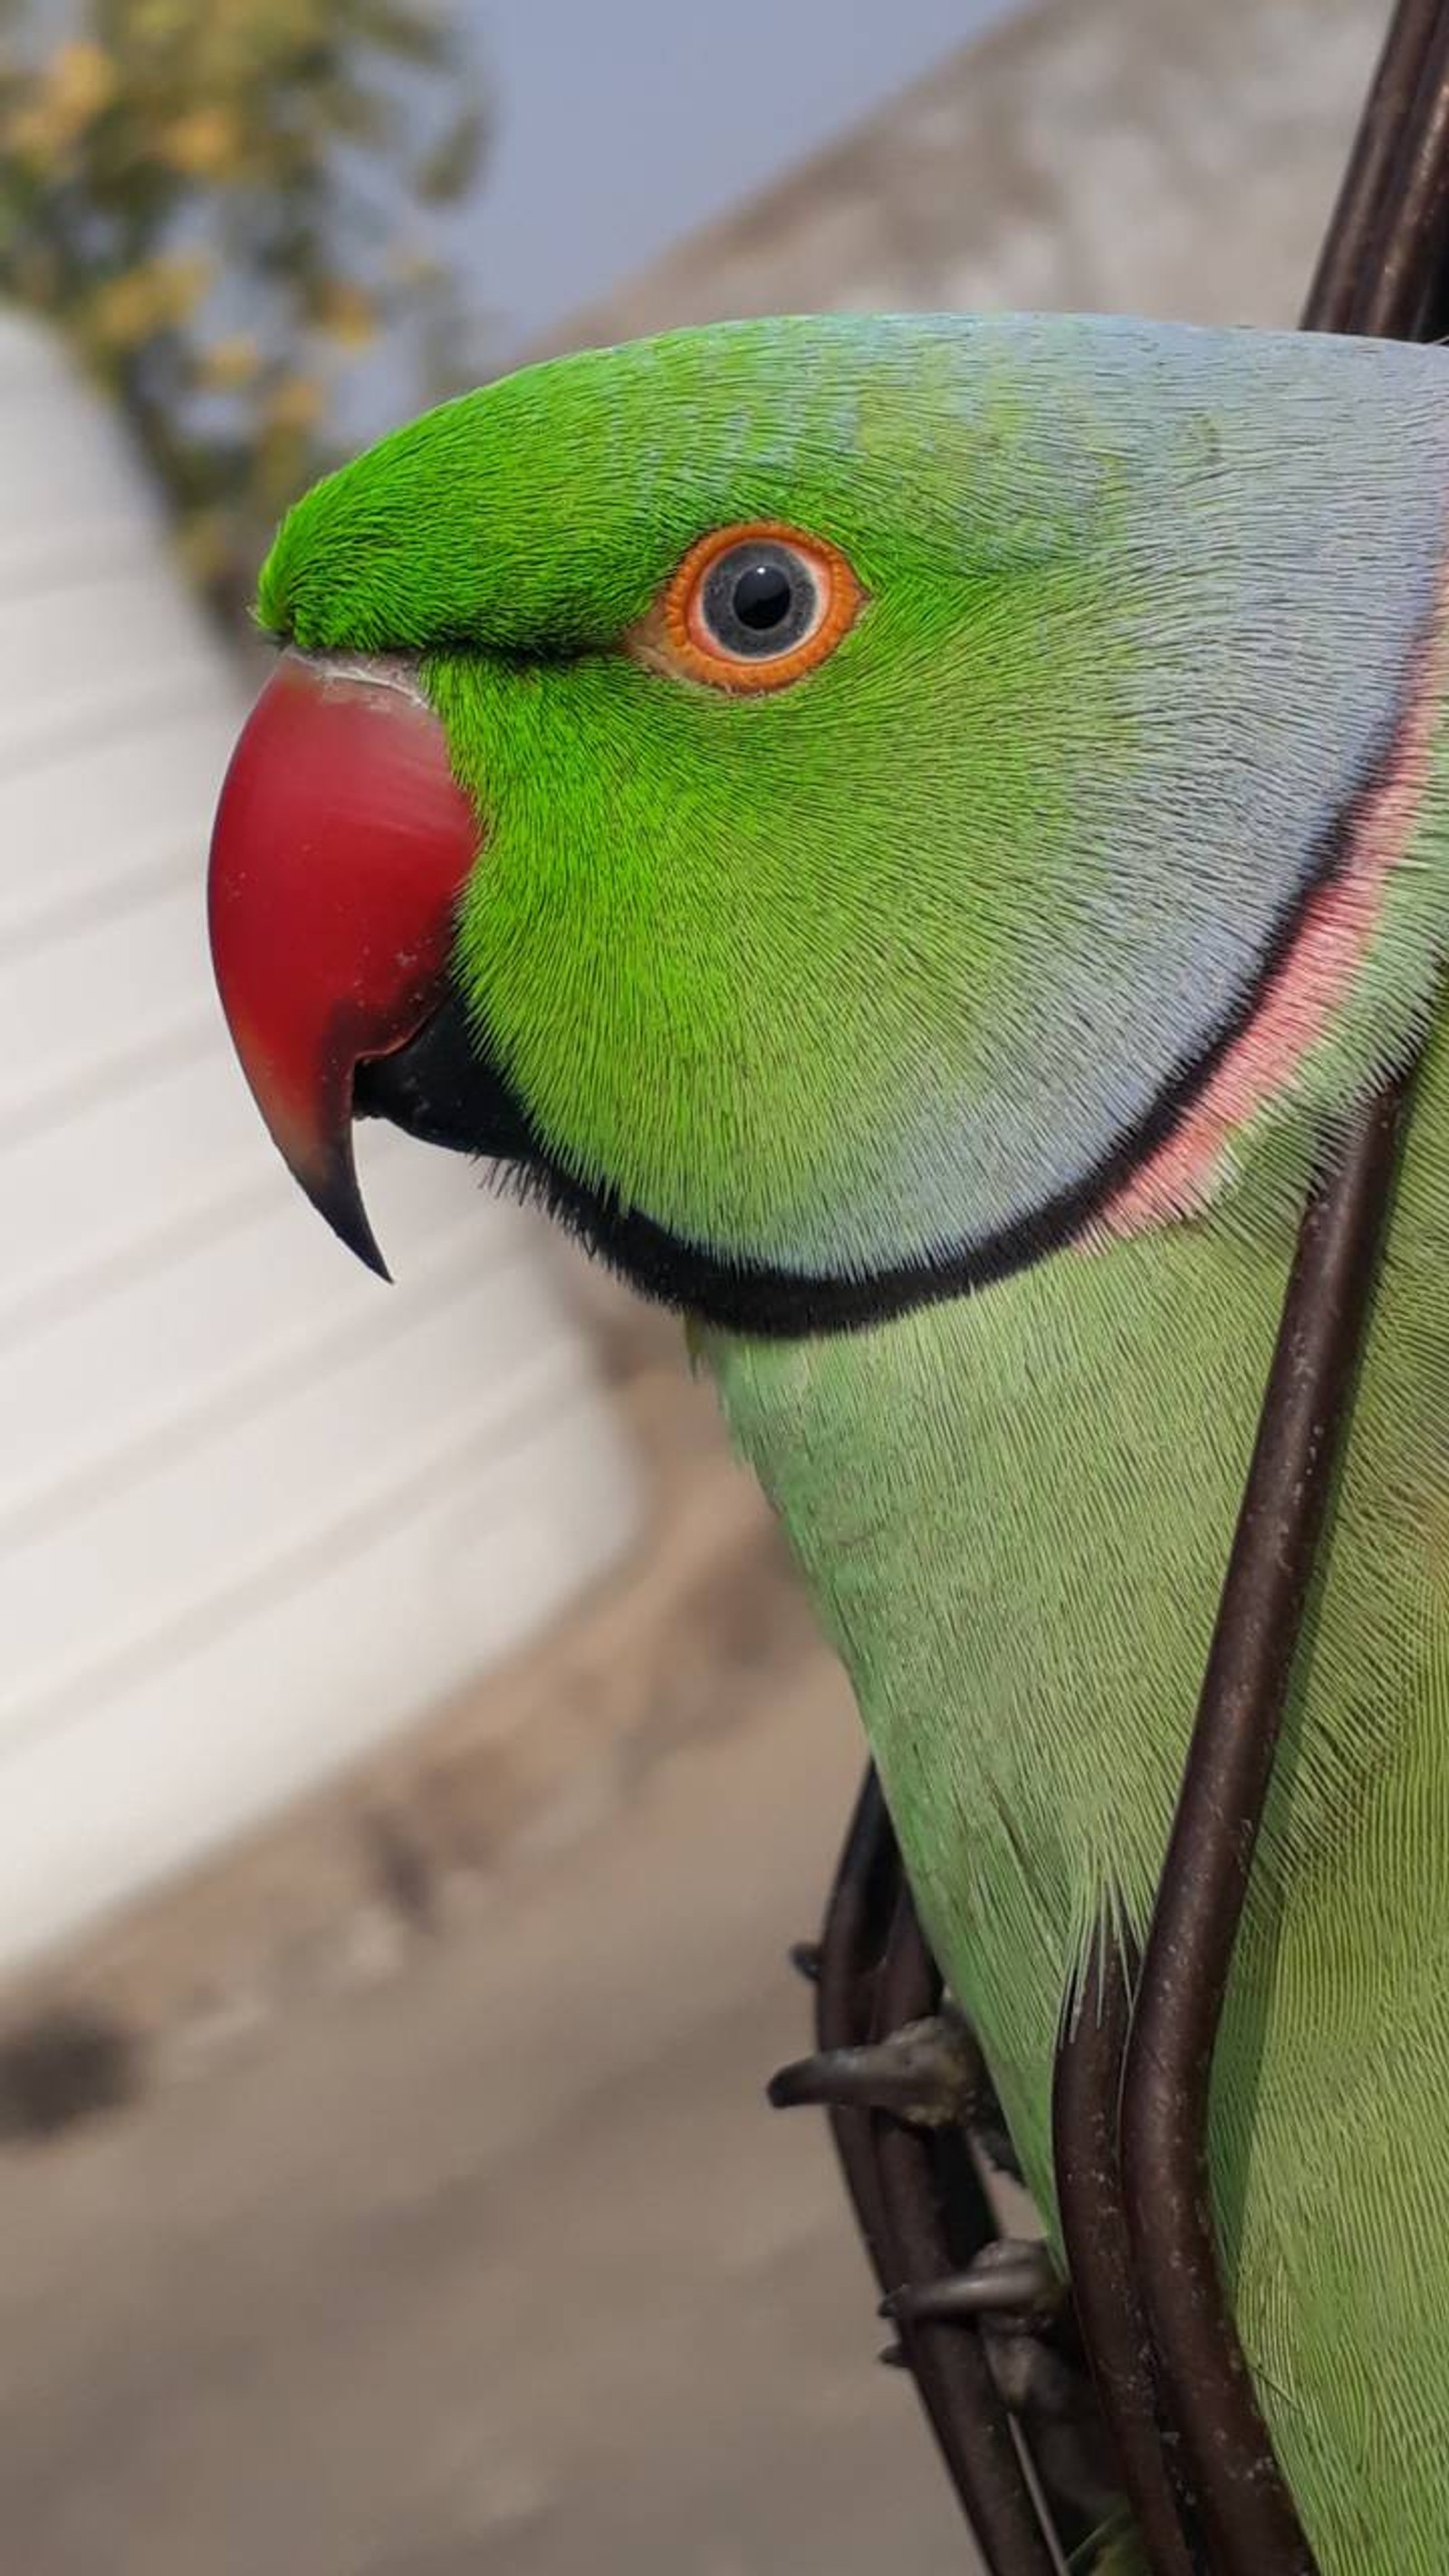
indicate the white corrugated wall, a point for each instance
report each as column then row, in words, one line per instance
column 256, row 1510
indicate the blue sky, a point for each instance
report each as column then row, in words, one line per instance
column 623, row 123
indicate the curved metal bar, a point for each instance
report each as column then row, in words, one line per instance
column 1114, row 2331
column 937, row 2220
column 1382, row 272
column 1247, row 2511
column 1357, row 245
column 1385, row 277
column 858, row 1919
column 875, row 1973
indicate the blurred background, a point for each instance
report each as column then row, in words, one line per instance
column 414, row 1758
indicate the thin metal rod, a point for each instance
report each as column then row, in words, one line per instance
column 1114, row 2330
column 858, row 1919
column 876, row 1974
column 1381, row 273
column 1352, row 260
column 1248, row 2514
column 1387, row 279
column 949, row 2361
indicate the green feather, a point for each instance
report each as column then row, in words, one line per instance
column 1013, row 1513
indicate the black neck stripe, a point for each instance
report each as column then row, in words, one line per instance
column 448, row 1088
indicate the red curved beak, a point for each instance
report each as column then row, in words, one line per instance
column 341, row 845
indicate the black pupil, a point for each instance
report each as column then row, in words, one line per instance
column 763, row 596
column 760, row 598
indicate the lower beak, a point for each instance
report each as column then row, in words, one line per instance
column 341, row 846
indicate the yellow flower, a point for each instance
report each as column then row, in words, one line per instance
column 230, row 363
column 347, row 315
column 34, row 134
column 181, row 284
column 128, row 309
column 295, row 403
column 123, row 310
column 204, row 144
column 81, row 80
column 159, row 22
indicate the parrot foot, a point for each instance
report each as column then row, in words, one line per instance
column 929, row 2072
column 1013, row 2280
column 1018, row 2301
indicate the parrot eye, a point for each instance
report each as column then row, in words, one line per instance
column 752, row 608
column 758, row 598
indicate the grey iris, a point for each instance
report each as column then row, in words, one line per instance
column 759, row 599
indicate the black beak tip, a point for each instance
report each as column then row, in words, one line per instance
column 335, row 1195
column 364, row 1243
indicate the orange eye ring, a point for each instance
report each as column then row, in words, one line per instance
column 691, row 632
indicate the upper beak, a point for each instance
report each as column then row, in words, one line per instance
column 341, row 845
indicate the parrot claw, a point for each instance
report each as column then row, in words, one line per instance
column 1013, row 2294
column 930, row 2073
column 1012, row 2281
column 1054, row 2401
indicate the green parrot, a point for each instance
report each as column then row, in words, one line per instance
column 910, row 836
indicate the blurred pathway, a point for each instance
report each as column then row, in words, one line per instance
column 501, row 2266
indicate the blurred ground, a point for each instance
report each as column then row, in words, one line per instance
column 500, row 2265
column 446, row 2227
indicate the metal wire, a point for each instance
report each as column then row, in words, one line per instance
column 1130, row 2104
column 1381, row 271
column 1091, row 2208
column 921, row 2208
column 1203, row 2380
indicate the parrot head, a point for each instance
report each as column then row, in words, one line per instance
column 835, row 804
